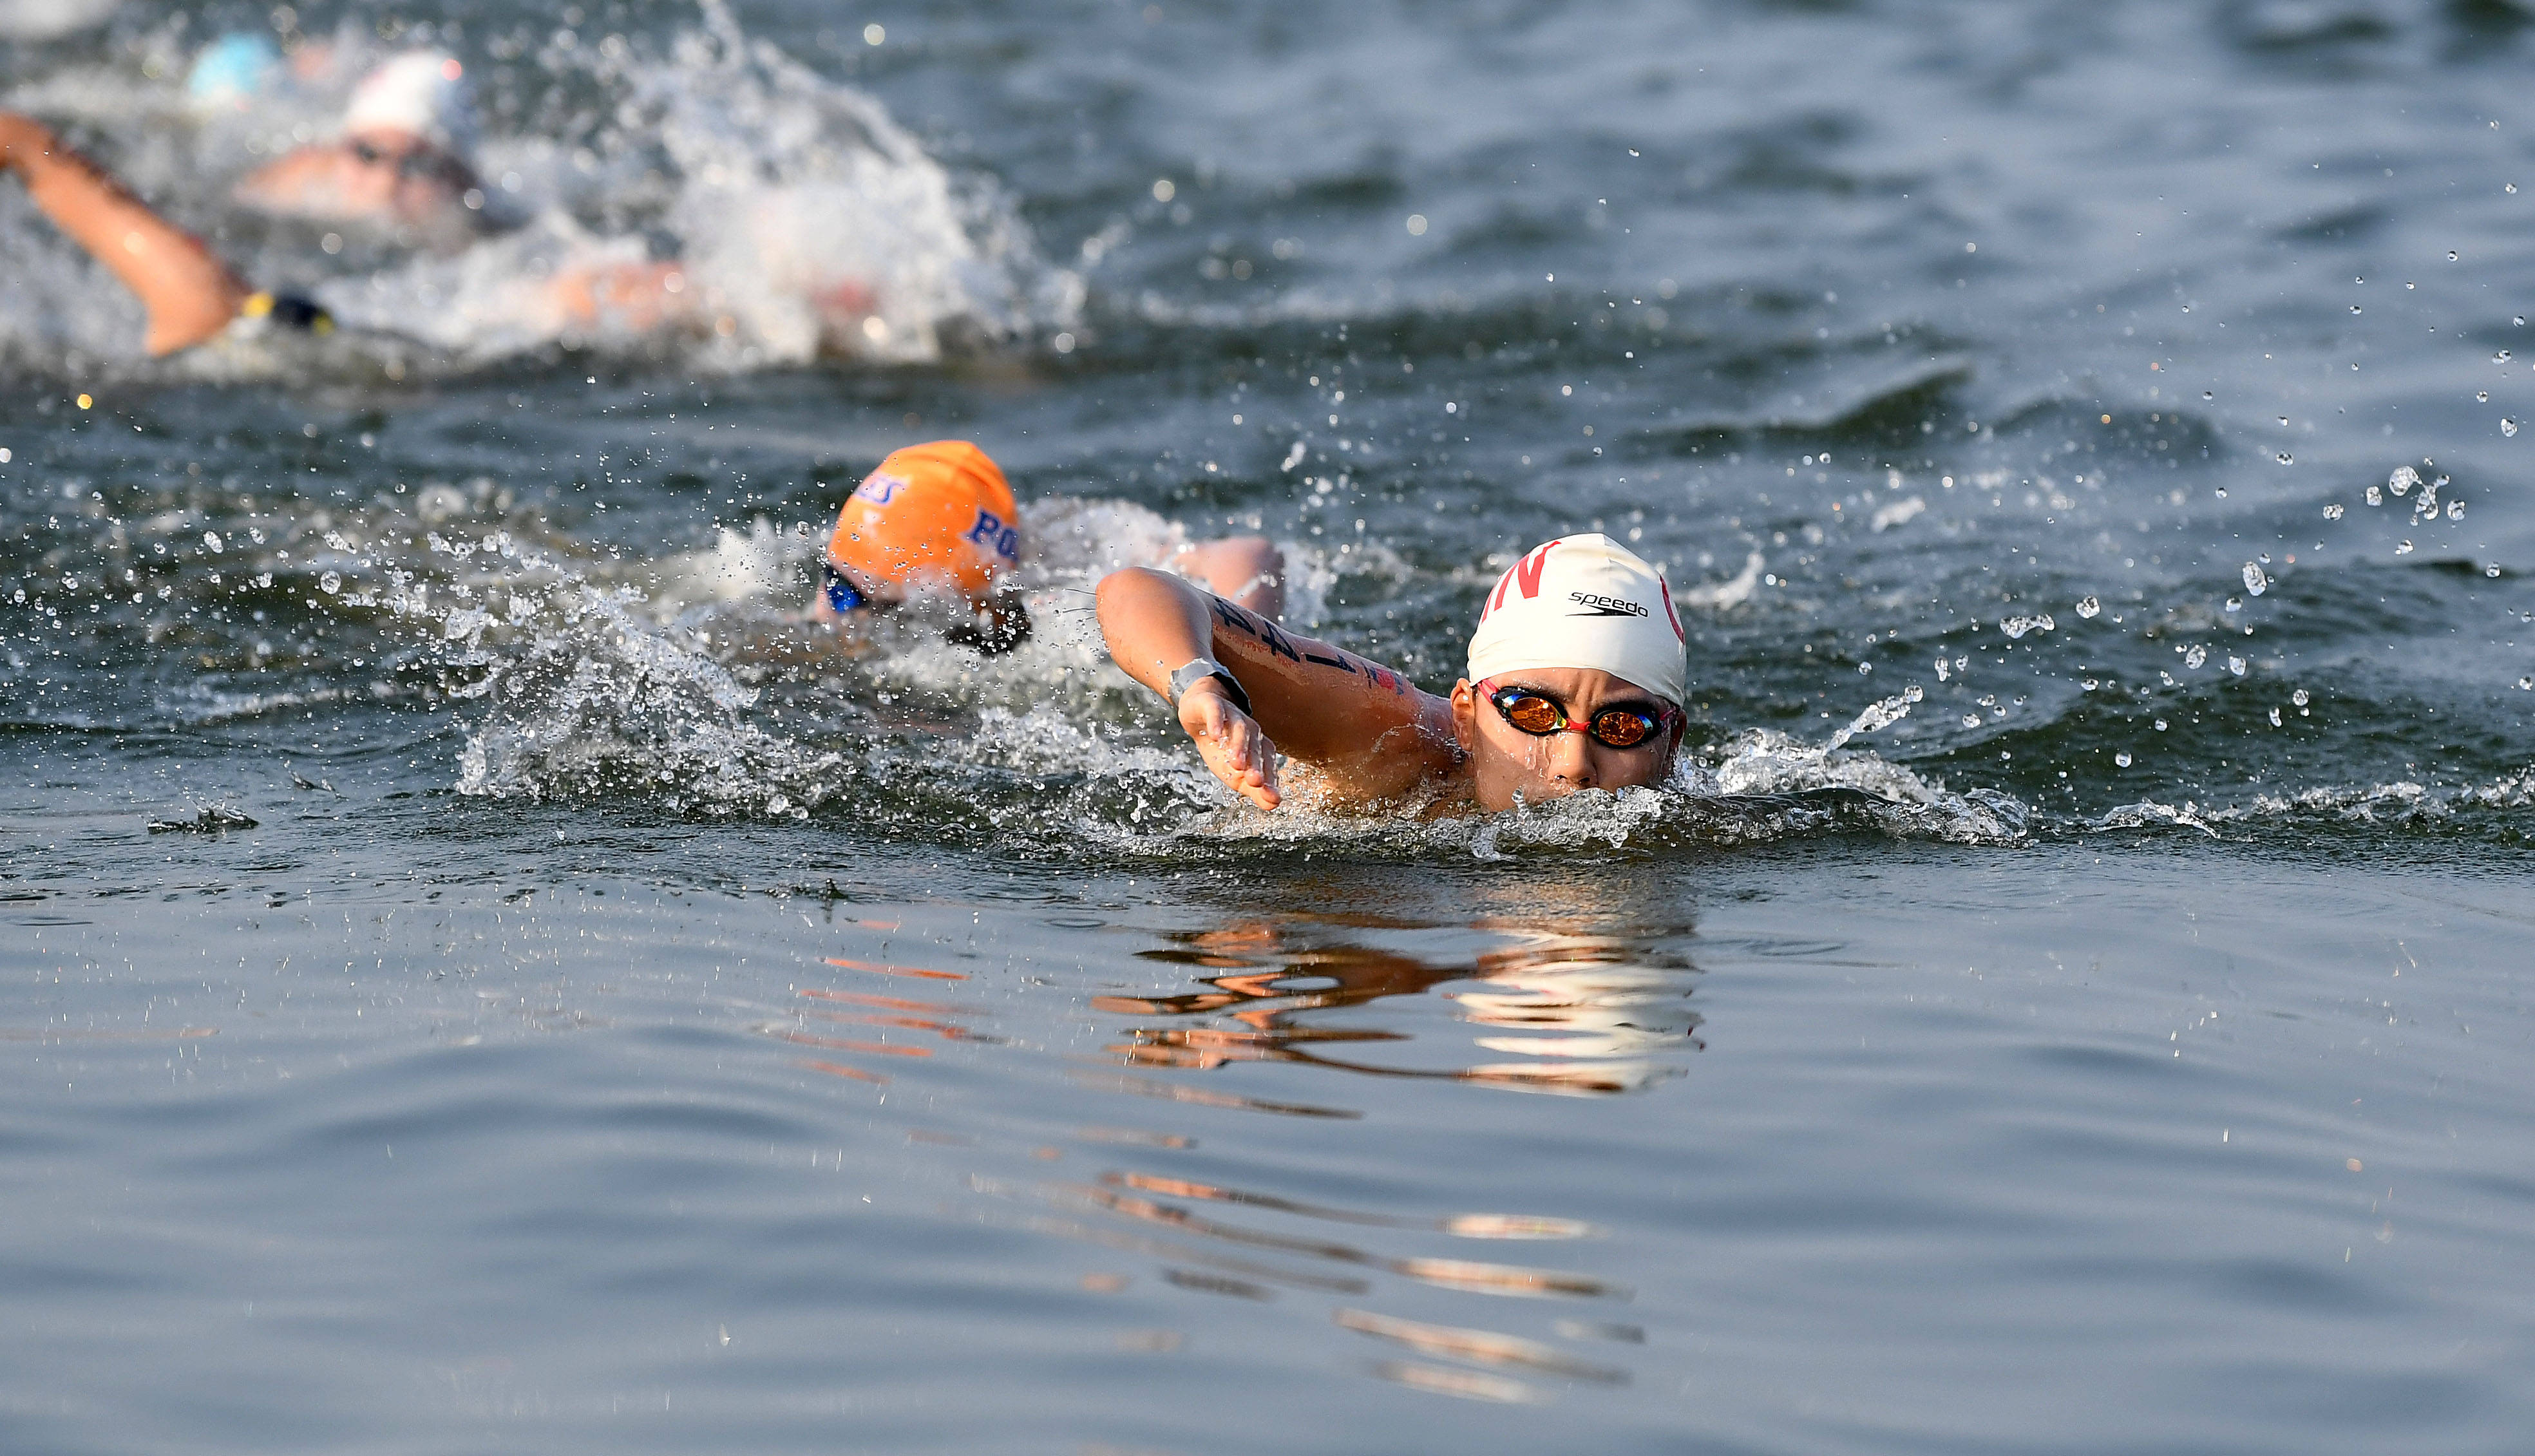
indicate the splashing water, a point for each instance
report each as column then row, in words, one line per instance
column 792, row 217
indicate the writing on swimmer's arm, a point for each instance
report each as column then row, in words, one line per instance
column 1268, row 635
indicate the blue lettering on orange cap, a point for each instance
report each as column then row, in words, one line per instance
column 991, row 532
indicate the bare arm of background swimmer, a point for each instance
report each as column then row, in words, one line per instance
column 190, row 293
column 1361, row 724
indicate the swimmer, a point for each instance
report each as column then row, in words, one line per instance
column 401, row 159
column 939, row 521
column 1576, row 680
column 401, row 162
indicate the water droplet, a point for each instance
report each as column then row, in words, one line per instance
column 2455, row 510
column 2123, row 760
column 2402, row 480
column 2500, row 358
column 2088, row 607
column 2275, row 718
column 2354, row 308
column 2284, row 422
column 2482, row 396
column 2234, row 605
column 2089, row 684
column 2298, row 699
column 2285, row 458
column 1971, row 720
column 2234, row 664
column 1942, row 673
column 2205, row 394
column 331, row 583
column 2160, row 725
column 2193, row 656
column 1865, row 667
column 212, row 539
column 2527, row 684
column 2255, row 581
column 2508, row 427
column 2375, row 495
column 2332, row 511
column 2491, row 571
column 2017, row 627
column 2404, row 549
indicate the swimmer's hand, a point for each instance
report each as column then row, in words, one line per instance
column 23, row 138
column 1231, row 742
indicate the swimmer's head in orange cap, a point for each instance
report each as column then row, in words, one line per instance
column 936, row 515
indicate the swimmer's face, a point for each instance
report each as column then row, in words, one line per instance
column 1505, row 762
column 380, row 176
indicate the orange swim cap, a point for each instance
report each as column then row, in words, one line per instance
column 931, row 513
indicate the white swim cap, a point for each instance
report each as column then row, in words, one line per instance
column 1583, row 601
column 421, row 92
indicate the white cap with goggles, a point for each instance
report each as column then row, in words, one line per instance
column 1583, row 601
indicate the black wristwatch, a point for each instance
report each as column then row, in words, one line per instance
column 1206, row 667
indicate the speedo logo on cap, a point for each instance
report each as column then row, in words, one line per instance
column 1604, row 606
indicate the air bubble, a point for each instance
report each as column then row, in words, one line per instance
column 2405, row 549
column 2500, row 358
column 2375, row 495
column 1971, row 720
column 2285, row 458
column 2508, row 427
column 331, row 583
column 2298, row 699
column 1942, row 672
column 2123, row 760
column 2193, row 656
column 213, row 540
column 2088, row 607
column 2255, row 581
column 2402, row 480
column 2275, row 718
column 2160, row 725
column 2236, row 664
column 2482, row 396
column 2332, row 511
column 2526, row 684
column 2455, row 510
column 2017, row 627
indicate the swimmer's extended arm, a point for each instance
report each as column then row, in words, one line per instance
column 1361, row 724
column 189, row 292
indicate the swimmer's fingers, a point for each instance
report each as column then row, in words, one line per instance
column 1235, row 747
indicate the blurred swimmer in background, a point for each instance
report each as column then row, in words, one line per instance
column 1576, row 680
column 938, row 521
column 402, row 165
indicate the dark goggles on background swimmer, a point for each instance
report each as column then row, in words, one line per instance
column 841, row 593
column 1620, row 726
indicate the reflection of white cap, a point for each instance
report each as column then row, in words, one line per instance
column 1583, row 601
column 421, row 92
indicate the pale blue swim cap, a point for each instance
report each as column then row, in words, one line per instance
column 232, row 71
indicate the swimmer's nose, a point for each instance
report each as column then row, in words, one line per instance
column 1571, row 763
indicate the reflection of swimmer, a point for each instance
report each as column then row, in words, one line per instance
column 940, row 520
column 400, row 163
column 1576, row 680
column 1594, row 1013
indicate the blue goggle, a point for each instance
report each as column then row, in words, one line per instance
column 841, row 595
